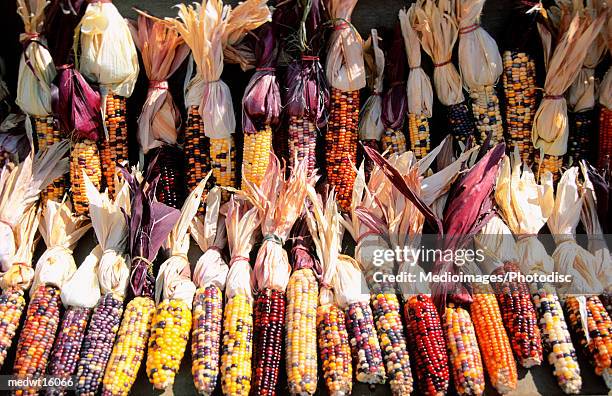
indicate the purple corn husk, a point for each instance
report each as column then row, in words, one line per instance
column 302, row 256
column 62, row 17
column 395, row 100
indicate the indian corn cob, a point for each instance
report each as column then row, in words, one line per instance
column 604, row 145
column 583, row 128
column 114, row 149
column 332, row 338
column 301, row 323
column 170, row 166
column 196, row 147
column 519, row 317
column 48, row 133
column 345, row 53
column 256, row 153
column 493, row 341
column 464, row 355
column 237, row 348
column 84, row 157
column 12, row 304
column 209, row 276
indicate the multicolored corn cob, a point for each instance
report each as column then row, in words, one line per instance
column 418, row 130
column 196, row 148
column 519, row 317
column 171, row 185
column 97, row 344
column 334, row 349
column 205, row 338
column 493, row 341
column 605, row 137
column 237, row 346
column 393, row 141
column 365, row 348
column 128, row 351
column 596, row 339
column 256, row 154
column 302, row 141
column 519, row 80
column 65, row 353
column 223, row 163
column 427, row 345
column 556, row 340
column 582, row 129
column 301, row 337
column 550, row 163
column 464, row 355
column 114, row 149
column 48, row 133
column 12, row 305
column 37, row 335
column 460, row 123
column 269, row 314
column 84, row 157
column 485, row 108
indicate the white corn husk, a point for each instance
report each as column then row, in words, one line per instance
column 20, row 273
column 111, row 228
column 605, row 88
column 36, row 67
column 344, row 67
column 438, row 33
column 61, row 230
column 370, row 121
column 550, row 127
column 497, row 244
column 107, row 52
column 209, row 234
column 83, row 289
column 418, row 86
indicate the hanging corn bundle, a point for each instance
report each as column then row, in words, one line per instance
column 280, row 202
column 261, row 107
column 481, row 65
column 209, row 276
column 36, row 73
column 174, row 293
column 418, row 87
column 302, row 303
column 368, row 229
column 163, row 52
column 19, row 190
column 525, row 206
column 517, row 311
column 346, row 75
column 241, row 223
column 307, row 92
column 61, row 231
column 437, row 32
column 149, row 223
column 586, row 314
column 604, row 155
column 210, row 30
column 563, row 61
column 324, row 226
column 79, row 295
column 581, row 94
column 110, row 226
column 371, row 127
column 108, row 57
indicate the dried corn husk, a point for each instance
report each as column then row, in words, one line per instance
column 370, row 121
column 550, row 127
column 479, row 58
column 61, row 230
column 420, row 91
column 83, row 289
column 438, row 32
column 209, row 234
column 526, row 205
column 208, row 29
column 36, row 68
column 280, row 202
column 19, row 190
column 497, row 243
column 344, row 66
column 107, row 52
column 163, row 51
column 20, row 273
column 605, row 88
column 570, row 258
column 111, row 229
column 349, row 284
column 174, row 277
column 241, row 223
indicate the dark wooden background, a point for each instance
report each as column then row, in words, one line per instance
column 380, row 14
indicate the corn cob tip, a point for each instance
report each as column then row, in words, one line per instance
column 530, row 362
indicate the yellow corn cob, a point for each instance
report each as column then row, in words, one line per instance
column 256, row 155
column 301, row 336
column 84, row 156
column 12, row 305
column 115, row 148
column 464, row 355
column 47, row 134
column 237, row 346
column 418, row 128
column 223, row 163
column 205, row 336
column 393, row 142
column 129, row 348
column 494, row 342
column 335, row 350
column 169, row 336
